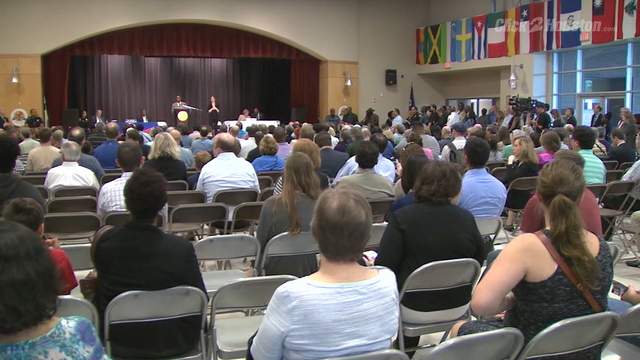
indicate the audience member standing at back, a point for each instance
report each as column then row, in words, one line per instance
column 11, row 185
column 481, row 194
column 290, row 211
column 139, row 256
column 226, row 171
column 107, row 151
column 582, row 142
column 111, row 198
column 41, row 158
column 164, row 157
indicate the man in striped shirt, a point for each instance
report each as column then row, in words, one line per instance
column 594, row 171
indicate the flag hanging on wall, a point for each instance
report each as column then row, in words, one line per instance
column 569, row 19
column 461, row 40
column 531, row 28
column 496, row 39
column 479, row 37
column 435, row 44
column 603, row 18
column 513, row 38
column 420, row 46
column 550, row 25
column 627, row 19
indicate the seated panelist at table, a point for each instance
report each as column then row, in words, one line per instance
column 244, row 115
column 143, row 116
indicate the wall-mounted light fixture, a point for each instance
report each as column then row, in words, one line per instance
column 15, row 75
column 513, row 78
column 347, row 79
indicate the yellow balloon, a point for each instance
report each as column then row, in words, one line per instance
column 183, row 115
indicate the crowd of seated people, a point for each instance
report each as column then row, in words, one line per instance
column 432, row 167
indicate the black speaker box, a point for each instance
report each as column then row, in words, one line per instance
column 70, row 118
column 391, row 77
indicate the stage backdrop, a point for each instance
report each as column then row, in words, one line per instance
column 124, row 85
column 182, row 40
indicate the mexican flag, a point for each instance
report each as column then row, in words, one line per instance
column 496, row 35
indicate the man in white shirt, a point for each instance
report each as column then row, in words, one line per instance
column 250, row 143
column 28, row 143
column 507, row 119
column 111, row 197
column 226, row 171
column 70, row 173
column 453, row 118
column 384, row 166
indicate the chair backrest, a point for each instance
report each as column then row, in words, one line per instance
column 113, row 171
column 72, row 204
column 389, row 354
column 34, row 179
column 597, row 190
column 249, row 212
column 192, row 172
column 571, row 336
column 198, row 214
column 286, row 244
column 489, row 226
column 177, row 185
column 499, row 172
column 247, row 293
column 72, row 306
column 619, row 188
column 377, row 231
column 145, row 306
column 502, row 344
column 181, row 197
column 266, row 193
column 527, row 183
column 236, row 197
column 615, row 252
column 625, row 166
column 495, row 164
column 274, row 175
column 109, row 177
column 224, row 247
column 79, row 256
column 629, row 322
column 67, row 191
column 43, row 191
column 610, row 164
column 119, row 218
column 380, row 208
column 265, row 182
column 71, row 223
column 614, row 175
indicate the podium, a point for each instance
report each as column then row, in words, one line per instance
column 183, row 114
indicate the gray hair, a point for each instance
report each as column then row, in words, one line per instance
column 71, row 151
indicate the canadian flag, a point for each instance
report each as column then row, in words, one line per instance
column 627, row 19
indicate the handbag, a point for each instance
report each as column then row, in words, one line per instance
column 568, row 272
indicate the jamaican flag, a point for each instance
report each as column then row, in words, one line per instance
column 435, row 48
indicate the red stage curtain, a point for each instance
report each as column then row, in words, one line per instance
column 182, row 40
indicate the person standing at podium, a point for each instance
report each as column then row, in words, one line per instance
column 177, row 106
column 214, row 114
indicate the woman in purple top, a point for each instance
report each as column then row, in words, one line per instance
column 550, row 141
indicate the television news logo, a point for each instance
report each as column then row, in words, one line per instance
column 539, row 24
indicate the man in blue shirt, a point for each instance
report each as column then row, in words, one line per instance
column 203, row 143
column 107, row 152
column 481, row 194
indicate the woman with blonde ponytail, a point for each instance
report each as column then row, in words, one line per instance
column 527, row 284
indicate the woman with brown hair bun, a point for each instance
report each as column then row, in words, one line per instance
column 527, row 282
column 290, row 211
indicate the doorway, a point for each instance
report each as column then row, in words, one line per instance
column 610, row 104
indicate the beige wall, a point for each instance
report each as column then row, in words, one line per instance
column 27, row 94
column 333, row 92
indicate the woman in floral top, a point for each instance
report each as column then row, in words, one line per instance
column 29, row 328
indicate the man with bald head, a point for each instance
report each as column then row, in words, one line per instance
column 78, row 136
column 185, row 154
column 70, row 173
column 226, row 171
column 107, row 152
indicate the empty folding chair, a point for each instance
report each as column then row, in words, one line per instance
column 34, row 179
column 597, row 190
column 79, row 255
column 614, row 175
column 489, row 229
column 72, row 204
column 620, row 190
column 572, row 336
column 67, row 191
column 265, row 182
column 72, row 306
column 182, row 197
column 436, row 277
column 177, row 185
column 625, row 166
column 628, row 329
column 245, row 217
column 236, row 197
column 502, row 344
column 193, row 217
column 266, row 193
column 380, row 208
column 72, row 226
column 377, row 231
column 229, row 335
column 389, row 354
column 286, row 244
column 610, row 164
column 109, row 177
column 225, row 247
column 147, row 306
column 525, row 185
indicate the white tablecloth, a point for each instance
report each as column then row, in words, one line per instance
column 249, row 122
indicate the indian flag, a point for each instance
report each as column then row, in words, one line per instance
column 496, row 35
